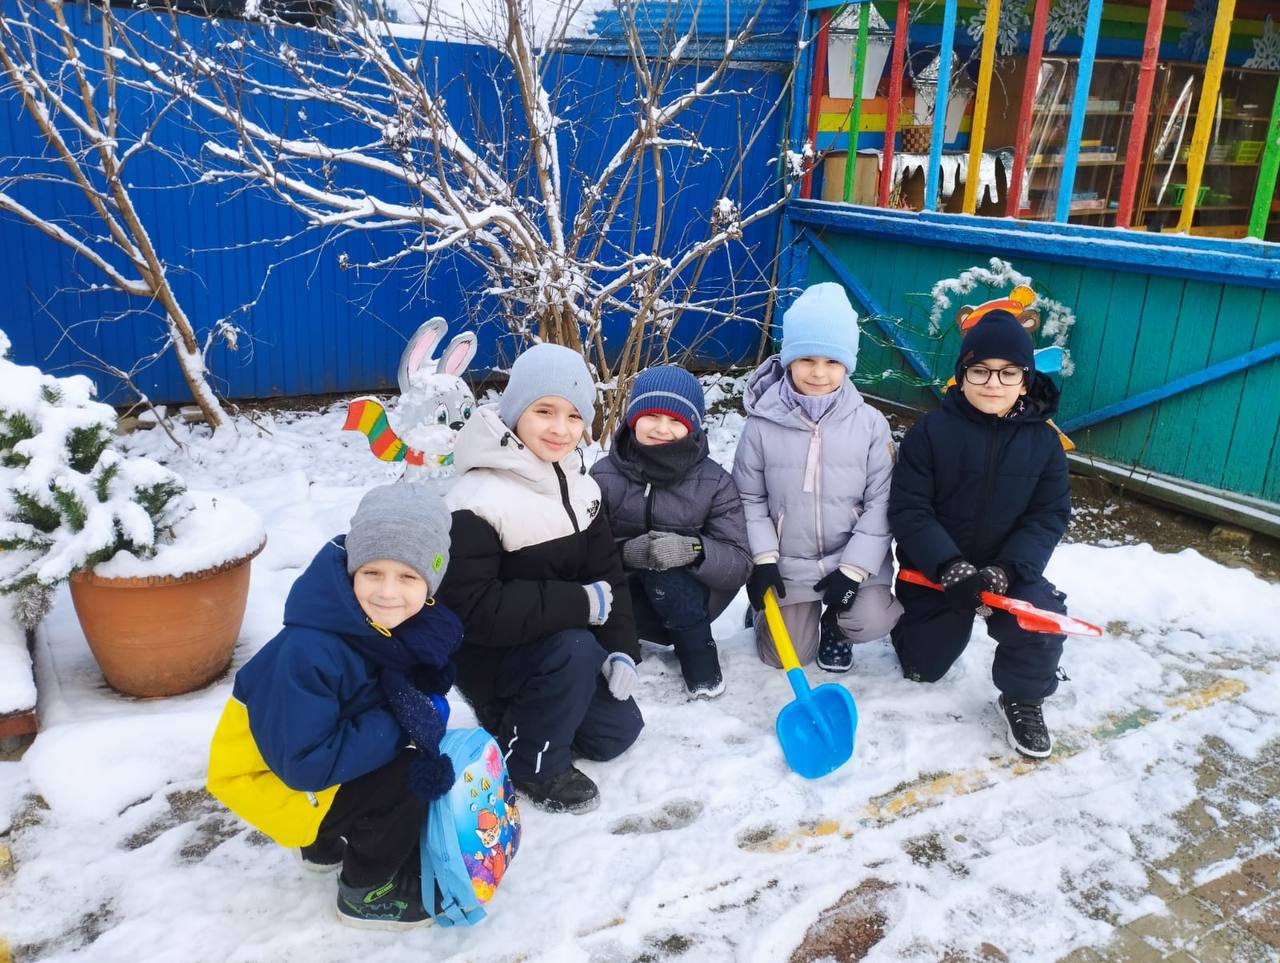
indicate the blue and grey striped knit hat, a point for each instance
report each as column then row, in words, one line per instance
column 666, row 390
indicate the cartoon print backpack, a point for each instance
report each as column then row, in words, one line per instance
column 472, row 832
column 434, row 403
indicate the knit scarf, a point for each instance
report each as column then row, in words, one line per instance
column 415, row 672
column 662, row 465
column 814, row 406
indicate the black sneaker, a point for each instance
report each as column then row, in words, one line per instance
column 393, row 905
column 571, row 791
column 699, row 661
column 322, row 856
column 834, row 653
column 1025, row 724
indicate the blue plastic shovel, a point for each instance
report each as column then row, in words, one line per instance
column 816, row 728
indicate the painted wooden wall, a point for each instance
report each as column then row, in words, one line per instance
column 1134, row 331
column 318, row 328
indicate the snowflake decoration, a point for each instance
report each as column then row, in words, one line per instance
column 1066, row 17
column 1195, row 39
column 1013, row 21
column 1266, row 49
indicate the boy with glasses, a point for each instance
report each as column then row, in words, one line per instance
column 978, row 502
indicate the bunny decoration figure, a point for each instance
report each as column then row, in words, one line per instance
column 434, row 404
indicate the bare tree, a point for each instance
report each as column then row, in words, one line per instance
column 357, row 132
column 69, row 91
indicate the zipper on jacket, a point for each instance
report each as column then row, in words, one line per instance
column 988, row 480
column 564, row 496
column 648, row 506
column 813, row 462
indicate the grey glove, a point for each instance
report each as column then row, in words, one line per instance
column 620, row 673
column 635, row 551
column 671, row 550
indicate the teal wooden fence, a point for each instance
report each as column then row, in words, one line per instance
column 1138, row 328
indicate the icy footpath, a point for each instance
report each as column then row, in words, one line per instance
column 705, row 846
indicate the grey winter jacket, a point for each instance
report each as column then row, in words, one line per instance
column 815, row 495
column 703, row 503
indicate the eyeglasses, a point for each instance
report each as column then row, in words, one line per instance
column 980, row 374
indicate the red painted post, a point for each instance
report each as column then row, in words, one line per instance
column 815, row 94
column 1029, row 85
column 895, row 99
column 1141, row 110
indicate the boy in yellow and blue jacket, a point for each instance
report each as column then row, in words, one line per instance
column 330, row 741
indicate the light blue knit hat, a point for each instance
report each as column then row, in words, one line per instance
column 821, row 323
column 548, row 369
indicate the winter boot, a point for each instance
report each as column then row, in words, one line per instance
column 322, row 856
column 834, row 653
column 1025, row 724
column 393, row 905
column 571, row 791
column 699, row 662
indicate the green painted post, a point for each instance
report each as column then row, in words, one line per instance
column 855, row 109
column 1267, row 174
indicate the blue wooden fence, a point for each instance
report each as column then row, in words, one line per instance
column 317, row 328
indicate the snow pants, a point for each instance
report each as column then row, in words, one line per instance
column 552, row 703
column 872, row 615
column 666, row 603
column 930, row 637
column 381, row 820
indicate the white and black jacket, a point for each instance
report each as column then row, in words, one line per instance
column 526, row 536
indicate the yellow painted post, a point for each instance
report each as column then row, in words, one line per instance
column 1199, row 148
column 978, row 132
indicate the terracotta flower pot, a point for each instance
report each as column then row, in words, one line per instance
column 163, row 635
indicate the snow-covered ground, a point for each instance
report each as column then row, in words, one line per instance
column 705, row 846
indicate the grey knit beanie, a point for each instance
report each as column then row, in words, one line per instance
column 548, row 369
column 406, row 522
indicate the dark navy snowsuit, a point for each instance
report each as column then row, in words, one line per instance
column 989, row 490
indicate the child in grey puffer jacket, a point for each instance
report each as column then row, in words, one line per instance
column 678, row 521
column 813, row 467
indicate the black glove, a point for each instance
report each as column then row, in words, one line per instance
column 838, row 591
column 963, row 585
column 763, row 577
column 994, row 579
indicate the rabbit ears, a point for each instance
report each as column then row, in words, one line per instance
column 417, row 357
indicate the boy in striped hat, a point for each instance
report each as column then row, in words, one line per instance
column 678, row 521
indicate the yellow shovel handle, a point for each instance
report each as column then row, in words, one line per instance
column 778, row 629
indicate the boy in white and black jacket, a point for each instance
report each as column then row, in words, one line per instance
column 549, row 652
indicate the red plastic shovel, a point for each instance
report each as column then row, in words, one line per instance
column 1028, row 616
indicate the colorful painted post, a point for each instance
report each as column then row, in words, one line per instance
column 1071, row 152
column 978, row 132
column 1141, row 110
column 940, row 105
column 1206, row 111
column 817, row 84
column 1267, row 173
column 855, row 108
column 900, row 26
column 1029, row 87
